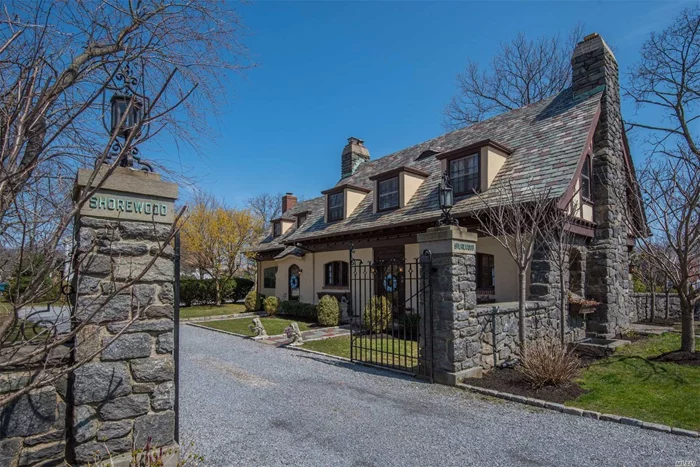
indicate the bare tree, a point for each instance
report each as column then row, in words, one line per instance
column 58, row 61
column 667, row 80
column 670, row 188
column 515, row 217
column 523, row 71
column 558, row 242
column 265, row 207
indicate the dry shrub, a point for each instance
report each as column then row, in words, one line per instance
column 548, row 363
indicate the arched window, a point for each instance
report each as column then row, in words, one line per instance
column 335, row 274
column 586, row 188
column 294, row 282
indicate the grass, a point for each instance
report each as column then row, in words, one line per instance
column 630, row 383
column 380, row 350
column 272, row 325
column 211, row 310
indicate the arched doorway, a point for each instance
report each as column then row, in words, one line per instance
column 294, row 282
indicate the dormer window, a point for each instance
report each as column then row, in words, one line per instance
column 586, row 179
column 276, row 229
column 464, row 174
column 336, row 207
column 388, row 194
column 300, row 220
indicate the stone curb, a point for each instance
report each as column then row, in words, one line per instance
column 217, row 330
column 202, row 319
column 580, row 412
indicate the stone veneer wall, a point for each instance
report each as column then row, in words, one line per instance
column 33, row 429
column 125, row 395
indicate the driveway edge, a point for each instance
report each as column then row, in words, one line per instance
column 580, row 412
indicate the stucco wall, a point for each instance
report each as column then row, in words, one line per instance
column 506, row 269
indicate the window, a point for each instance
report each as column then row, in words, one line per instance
column 464, row 174
column 335, row 207
column 336, row 274
column 586, row 179
column 485, row 272
column 277, row 226
column 300, row 220
column 388, row 197
column 270, row 278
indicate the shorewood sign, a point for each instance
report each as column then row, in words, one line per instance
column 116, row 198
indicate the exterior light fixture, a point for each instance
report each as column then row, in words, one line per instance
column 126, row 114
column 446, row 201
column 120, row 104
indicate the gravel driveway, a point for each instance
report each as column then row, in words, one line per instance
column 243, row 403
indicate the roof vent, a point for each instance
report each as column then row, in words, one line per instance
column 431, row 151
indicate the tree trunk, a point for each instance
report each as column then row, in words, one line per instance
column 521, row 310
column 218, row 292
column 562, row 307
column 687, row 325
column 668, row 304
column 652, row 314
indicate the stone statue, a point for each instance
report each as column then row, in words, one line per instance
column 344, row 317
column 258, row 329
column 294, row 334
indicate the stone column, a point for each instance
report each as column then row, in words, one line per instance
column 456, row 349
column 125, row 394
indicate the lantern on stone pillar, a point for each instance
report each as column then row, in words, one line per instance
column 446, row 201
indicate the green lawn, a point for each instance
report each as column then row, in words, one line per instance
column 630, row 383
column 211, row 310
column 372, row 349
column 273, row 326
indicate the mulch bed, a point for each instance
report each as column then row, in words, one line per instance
column 513, row 382
column 680, row 357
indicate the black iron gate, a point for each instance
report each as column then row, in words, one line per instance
column 391, row 313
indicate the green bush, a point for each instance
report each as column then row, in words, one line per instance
column 409, row 324
column 328, row 311
column 252, row 301
column 271, row 305
column 203, row 291
column 376, row 316
column 296, row 309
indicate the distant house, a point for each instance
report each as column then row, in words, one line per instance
column 572, row 144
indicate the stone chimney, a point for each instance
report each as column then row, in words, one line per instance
column 354, row 154
column 594, row 69
column 288, row 202
column 594, row 65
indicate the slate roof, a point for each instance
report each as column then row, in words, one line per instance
column 268, row 243
column 547, row 139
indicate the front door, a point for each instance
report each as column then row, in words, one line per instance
column 294, row 282
column 390, row 277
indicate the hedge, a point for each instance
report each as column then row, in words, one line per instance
column 203, row 291
column 296, row 309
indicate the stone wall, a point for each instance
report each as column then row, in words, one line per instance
column 500, row 324
column 640, row 307
column 125, row 395
column 33, row 429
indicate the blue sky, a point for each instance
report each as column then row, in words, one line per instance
column 380, row 71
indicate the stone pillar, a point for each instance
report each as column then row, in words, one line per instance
column 125, row 394
column 456, row 349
